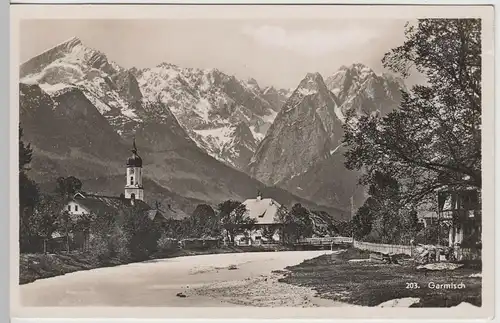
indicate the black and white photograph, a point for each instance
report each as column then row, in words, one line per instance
column 331, row 162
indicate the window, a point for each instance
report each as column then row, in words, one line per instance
column 69, row 207
column 131, row 180
column 76, row 207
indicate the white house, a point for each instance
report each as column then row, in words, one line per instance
column 265, row 212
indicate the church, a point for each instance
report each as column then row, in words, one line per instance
column 82, row 204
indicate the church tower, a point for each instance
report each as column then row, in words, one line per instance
column 133, row 186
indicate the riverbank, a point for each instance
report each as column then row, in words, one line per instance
column 216, row 280
column 350, row 277
column 38, row 266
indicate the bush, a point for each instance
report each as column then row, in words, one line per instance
column 107, row 246
column 165, row 243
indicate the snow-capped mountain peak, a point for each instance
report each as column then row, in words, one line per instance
column 359, row 87
column 214, row 107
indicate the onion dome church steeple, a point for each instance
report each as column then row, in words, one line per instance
column 133, row 184
column 135, row 160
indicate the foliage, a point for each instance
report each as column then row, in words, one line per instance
column 165, row 242
column 434, row 139
column 363, row 220
column 25, row 153
column 203, row 222
column 303, row 223
column 108, row 239
column 47, row 216
column 268, row 233
column 296, row 223
column 234, row 218
column 323, row 224
column 29, row 196
column 344, row 228
column 142, row 233
column 68, row 186
column 433, row 234
column 177, row 229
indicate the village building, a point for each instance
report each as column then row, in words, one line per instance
column 457, row 210
column 82, row 204
column 462, row 210
column 267, row 228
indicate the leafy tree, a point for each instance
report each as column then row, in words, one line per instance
column 303, row 223
column 177, row 229
column 204, row 222
column 295, row 223
column 434, row 139
column 363, row 220
column 344, row 228
column 142, row 233
column 45, row 219
column 109, row 239
column 68, row 186
column 268, row 233
column 234, row 218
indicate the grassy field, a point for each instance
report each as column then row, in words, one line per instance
column 369, row 284
column 38, row 266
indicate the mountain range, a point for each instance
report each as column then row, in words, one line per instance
column 205, row 136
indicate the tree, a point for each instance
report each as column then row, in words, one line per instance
column 303, row 223
column 25, row 152
column 204, row 222
column 268, row 233
column 109, row 239
column 29, row 196
column 68, row 186
column 46, row 218
column 344, row 228
column 142, row 233
column 363, row 220
column 234, row 218
column 434, row 139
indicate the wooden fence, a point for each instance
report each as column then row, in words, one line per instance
column 384, row 248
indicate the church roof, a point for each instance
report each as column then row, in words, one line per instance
column 135, row 160
column 264, row 210
column 111, row 204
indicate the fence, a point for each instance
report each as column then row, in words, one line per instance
column 384, row 248
column 325, row 241
column 468, row 254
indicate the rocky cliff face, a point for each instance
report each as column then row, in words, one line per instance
column 302, row 150
column 303, row 133
column 360, row 89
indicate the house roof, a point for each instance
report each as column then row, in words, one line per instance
column 263, row 210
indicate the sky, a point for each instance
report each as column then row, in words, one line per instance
column 274, row 52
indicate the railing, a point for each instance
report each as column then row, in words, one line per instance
column 324, row 241
column 384, row 248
